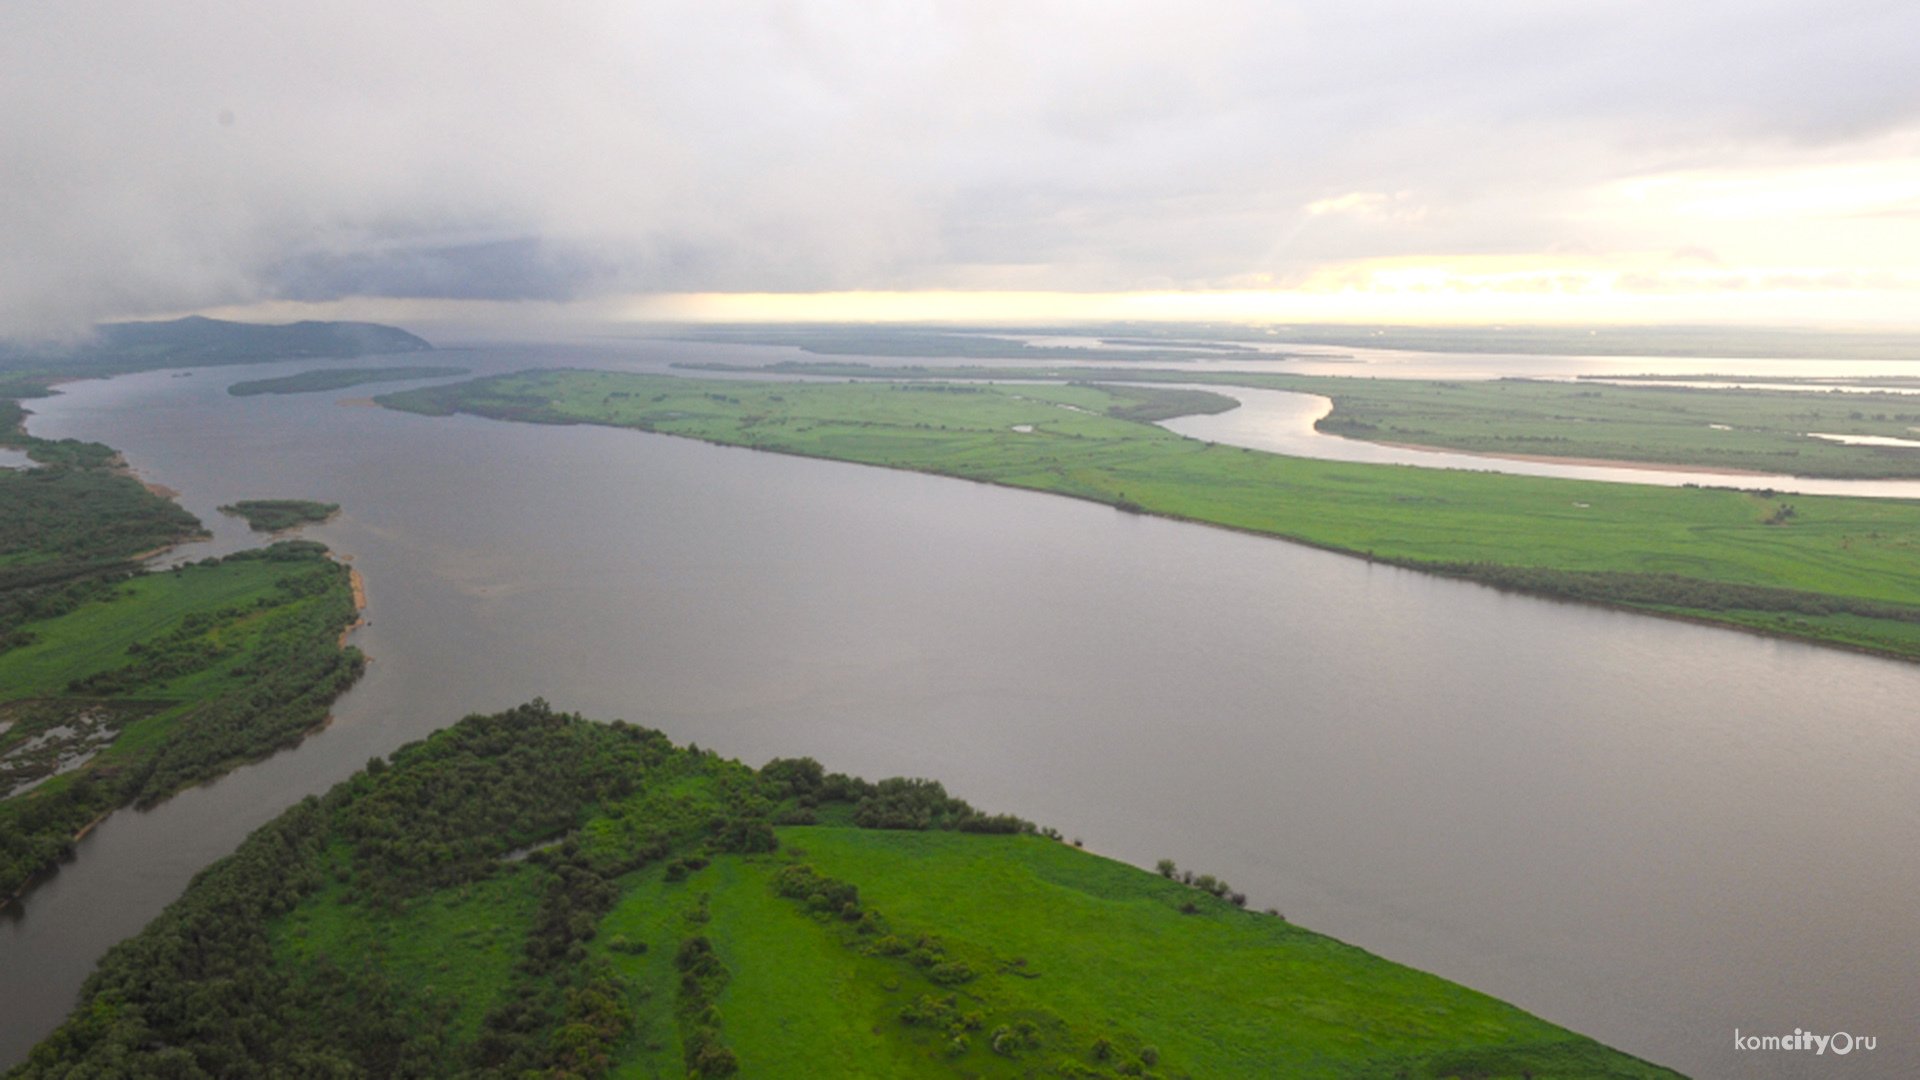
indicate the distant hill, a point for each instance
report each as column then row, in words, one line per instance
column 137, row 346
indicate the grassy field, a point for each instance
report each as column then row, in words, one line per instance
column 94, row 637
column 1834, row 570
column 667, row 928
column 119, row 686
column 307, row 382
column 159, row 681
column 1764, row 431
column 1090, row 964
column 71, row 523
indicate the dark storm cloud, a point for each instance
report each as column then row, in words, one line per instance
column 160, row 157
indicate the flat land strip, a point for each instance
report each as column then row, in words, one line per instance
column 1833, row 570
column 307, row 382
column 1748, row 430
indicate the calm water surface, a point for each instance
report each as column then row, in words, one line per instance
column 1649, row 831
column 1282, row 421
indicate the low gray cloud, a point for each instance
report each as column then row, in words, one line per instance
column 165, row 157
column 523, row 268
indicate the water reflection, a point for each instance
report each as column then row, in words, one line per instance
column 1650, row 831
column 1282, row 421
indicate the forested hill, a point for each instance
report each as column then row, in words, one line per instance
column 534, row 894
column 135, row 346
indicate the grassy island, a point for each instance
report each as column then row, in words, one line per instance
column 119, row 686
column 278, row 515
column 307, row 382
column 1731, row 428
column 532, row 893
column 161, row 681
column 1825, row 569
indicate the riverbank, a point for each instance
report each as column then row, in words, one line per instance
column 358, row 585
column 205, row 667
column 1763, row 432
column 1824, row 569
column 1549, row 459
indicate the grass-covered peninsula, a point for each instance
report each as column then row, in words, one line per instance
column 71, row 524
column 119, row 686
column 279, row 515
column 307, row 382
column 1833, row 570
column 532, row 893
column 160, row 681
column 1728, row 428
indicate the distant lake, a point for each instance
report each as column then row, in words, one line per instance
column 1648, row 831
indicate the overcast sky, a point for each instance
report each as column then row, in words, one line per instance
column 1392, row 161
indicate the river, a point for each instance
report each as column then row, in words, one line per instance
column 1282, row 422
column 1649, row 831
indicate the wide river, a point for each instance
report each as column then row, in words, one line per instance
column 1649, row 831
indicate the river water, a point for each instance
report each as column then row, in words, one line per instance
column 1282, row 422
column 1649, row 831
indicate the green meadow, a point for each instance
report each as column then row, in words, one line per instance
column 531, row 893
column 1079, row 966
column 1746, row 430
column 119, row 685
column 1764, row 431
column 161, row 680
column 1827, row 569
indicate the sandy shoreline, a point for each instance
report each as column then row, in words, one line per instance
column 359, row 586
column 1604, row 463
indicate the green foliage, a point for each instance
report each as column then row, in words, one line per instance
column 64, row 531
column 1148, row 405
column 166, row 679
column 71, row 527
column 1711, row 427
column 1858, row 549
column 997, row 956
column 275, row 515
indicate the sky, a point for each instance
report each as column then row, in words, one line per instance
column 1025, row 161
